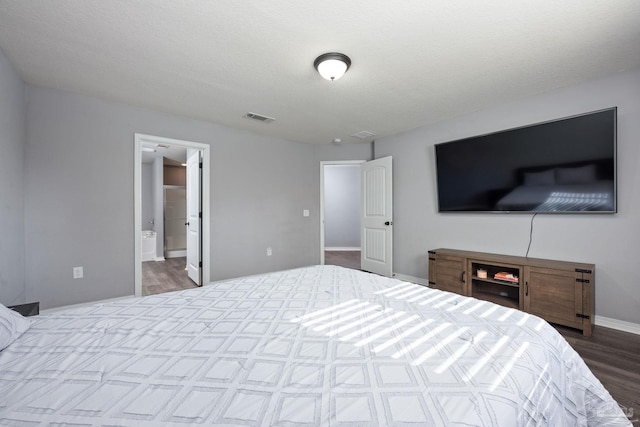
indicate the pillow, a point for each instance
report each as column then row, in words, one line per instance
column 547, row 177
column 580, row 175
column 12, row 325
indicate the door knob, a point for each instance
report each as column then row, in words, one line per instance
column 388, row 223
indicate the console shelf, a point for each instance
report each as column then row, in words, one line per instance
column 559, row 291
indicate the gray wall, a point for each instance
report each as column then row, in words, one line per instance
column 612, row 242
column 342, row 202
column 79, row 209
column 12, row 137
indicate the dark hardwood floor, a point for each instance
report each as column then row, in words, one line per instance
column 350, row 259
column 165, row 276
column 613, row 356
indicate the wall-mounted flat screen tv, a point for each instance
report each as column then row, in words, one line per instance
column 561, row 166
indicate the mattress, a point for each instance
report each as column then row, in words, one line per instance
column 315, row 346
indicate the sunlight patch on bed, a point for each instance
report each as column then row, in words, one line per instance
column 432, row 299
column 324, row 310
column 523, row 319
column 343, row 319
column 386, row 331
column 506, row 315
column 334, row 314
column 372, row 326
column 458, row 306
column 391, row 290
column 489, row 311
column 358, row 322
column 485, row 359
column 403, row 335
column 441, row 303
column 436, row 348
column 458, row 354
column 475, row 307
column 420, row 340
column 507, row 368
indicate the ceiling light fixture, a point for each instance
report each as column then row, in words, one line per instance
column 332, row 66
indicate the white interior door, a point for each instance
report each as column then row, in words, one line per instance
column 377, row 217
column 194, row 216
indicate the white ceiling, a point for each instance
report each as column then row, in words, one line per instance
column 414, row 62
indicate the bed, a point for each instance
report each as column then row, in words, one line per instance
column 314, row 346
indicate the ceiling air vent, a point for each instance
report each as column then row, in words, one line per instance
column 363, row 135
column 258, row 117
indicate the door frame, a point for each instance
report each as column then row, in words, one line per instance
column 322, row 166
column 139, row 139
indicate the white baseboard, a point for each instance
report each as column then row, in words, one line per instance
column 178, row 253
column 83, row 304
column 407, row 278
column 620, row 325
column 342, row 248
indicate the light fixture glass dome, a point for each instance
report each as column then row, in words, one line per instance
column 332, row 66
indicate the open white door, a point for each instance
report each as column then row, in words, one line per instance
column 194, row 216
column 377, row 217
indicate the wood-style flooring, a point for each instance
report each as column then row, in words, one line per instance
column 350, row 259
column 613, row 356
column 165, row 276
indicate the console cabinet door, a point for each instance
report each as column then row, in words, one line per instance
column 555, row 295
column 450, row 273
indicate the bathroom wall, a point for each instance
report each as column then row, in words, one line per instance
column 146, row 195
column 175, row 175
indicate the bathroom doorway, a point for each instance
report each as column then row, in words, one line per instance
column 161, row 211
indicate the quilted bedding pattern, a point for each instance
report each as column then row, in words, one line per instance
column 315, row 346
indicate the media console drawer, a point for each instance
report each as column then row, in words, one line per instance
column 558, row 291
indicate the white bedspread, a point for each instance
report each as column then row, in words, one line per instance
column 313, row 346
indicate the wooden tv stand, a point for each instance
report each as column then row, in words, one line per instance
column 558, row 291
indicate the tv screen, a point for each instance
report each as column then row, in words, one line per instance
column 562, row 166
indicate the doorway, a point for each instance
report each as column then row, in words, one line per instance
column 340, row 210
column 171, row 265
column 375, row 224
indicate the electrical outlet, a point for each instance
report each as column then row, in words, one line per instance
column 269, row 252
column 305, row 212
column 78, row 272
